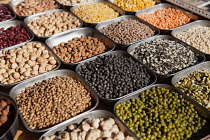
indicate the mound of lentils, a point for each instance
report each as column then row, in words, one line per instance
column 164, row 56
column 79, row 48
column 197, row 86
column 160, row 113
column 127, row 31
column 113, row 76
column 52, row 101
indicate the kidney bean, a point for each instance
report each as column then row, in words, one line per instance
column 5, row 13
column 13, row 35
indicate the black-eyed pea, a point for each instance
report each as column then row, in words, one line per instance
column 16, row 75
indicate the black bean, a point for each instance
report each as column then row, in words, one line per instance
column 114, row 76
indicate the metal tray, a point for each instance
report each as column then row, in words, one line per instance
column 179, row 76
column 18, row 46
column 130, row 12
column 30, row 82
column 91, row 115
column 199, row 55
column 152, row 9
column 14, row 23
column 13, row 3
column 85, row 31
column 109, row 22
column 117, row 9
column 36, row 16
column 202, row 112
column 203, row 23
column 10, row 9
column 153, row 77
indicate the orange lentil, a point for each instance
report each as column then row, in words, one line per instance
column 167, row 18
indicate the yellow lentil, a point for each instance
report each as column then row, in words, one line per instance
column 134, row 5
column 95, row 12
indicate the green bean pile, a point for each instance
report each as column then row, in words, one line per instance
column 197, row 86
column 160, row 114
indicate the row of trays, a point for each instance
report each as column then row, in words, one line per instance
column 102, row 24
column 92, row 113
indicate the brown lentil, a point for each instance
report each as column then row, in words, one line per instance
column 53, row 23
column 52, row 101
column 30, row 7
column 79, row 48
column 95, row 12
column 197, row 86
column 127, row 31
column 24, row 62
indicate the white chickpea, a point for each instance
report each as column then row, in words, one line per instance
column 40, row 60
column 52, row 61
column 16, row 75
column 41, row 69
column 11, row 81
column 31, row 62
column 27, row 73
column 22, row 70
column 5, row 75
column 14, row 65
column 35, row 68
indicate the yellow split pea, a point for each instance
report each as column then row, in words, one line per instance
column 134, row 5
column 95, row 12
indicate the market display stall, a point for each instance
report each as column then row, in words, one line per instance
column 114, row 70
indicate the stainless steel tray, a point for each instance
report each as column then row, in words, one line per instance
column 36, row 16
column 153, row 77
column 18, row 46
column 12, row 11
column 109, row 22
column 152, row 9
column 202, row 112
column 14, row 23
column 30, row 82
column 85, row 31
column 90, row 115
column 179, row 76
column 178, row 30
column 199, row 55
column 117, row 9
column 13, row 3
